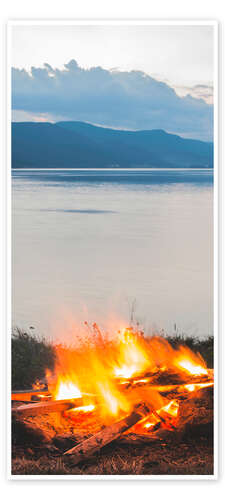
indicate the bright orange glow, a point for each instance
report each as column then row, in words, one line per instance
column 38, row 386
column 171, row 408
column 113, row 400
column 125, row 371
column 141, row 381
column 113, row 373
column 190, row 367
column 194, row 387
column 189, row 362
column 168, row 412
column 148, row 425
column 190, row 387
column 67, row 390
column 132, row 358
column 84, row 409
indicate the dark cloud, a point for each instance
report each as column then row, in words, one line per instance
column 130, row 100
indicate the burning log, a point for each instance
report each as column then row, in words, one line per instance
column 92, row 382
column 29, row 395
column 196, row 413
column 33, row 409
column 108, row 434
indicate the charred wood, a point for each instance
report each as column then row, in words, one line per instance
column 108, row 434
column 45, row 407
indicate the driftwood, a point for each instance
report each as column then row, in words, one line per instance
column 108, row 434
column 33, row 409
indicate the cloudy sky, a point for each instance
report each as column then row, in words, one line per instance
column 130, row 77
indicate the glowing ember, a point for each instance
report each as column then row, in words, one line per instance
column 190, row 387
column 171, row 408
column 166, row 413
column 194, row 387
column 141, row 381
column 148, row 425
column 85, row 409
column 150, row 422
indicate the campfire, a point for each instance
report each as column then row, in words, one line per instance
column 125, row 385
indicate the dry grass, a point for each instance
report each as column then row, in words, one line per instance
column 156, row 458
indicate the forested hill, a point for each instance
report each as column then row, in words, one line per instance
column 81, row 145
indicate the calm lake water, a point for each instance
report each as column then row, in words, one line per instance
column 86, row 243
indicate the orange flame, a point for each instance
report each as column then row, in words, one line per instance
column 131, row 357
column 102, row 373
column 189, row 362
column 66, row 390
column 188, row 366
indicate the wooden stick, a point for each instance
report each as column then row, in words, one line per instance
column 33, row 409
column 27, row 395
column 109, row 434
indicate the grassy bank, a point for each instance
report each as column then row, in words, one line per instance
column 32, row 355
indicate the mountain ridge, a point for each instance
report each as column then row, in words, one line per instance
column 75, row 144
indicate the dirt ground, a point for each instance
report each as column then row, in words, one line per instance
column 189, row 457
column 38, row 444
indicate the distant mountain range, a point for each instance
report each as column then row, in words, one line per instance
column 81, row 145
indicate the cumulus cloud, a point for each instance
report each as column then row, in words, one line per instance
column 199, row 91
column 119, row 99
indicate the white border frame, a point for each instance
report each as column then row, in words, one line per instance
column 114, row 22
